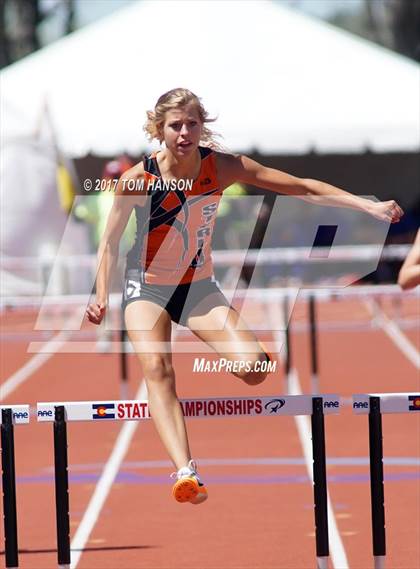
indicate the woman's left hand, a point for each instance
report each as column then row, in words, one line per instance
column 388, row 211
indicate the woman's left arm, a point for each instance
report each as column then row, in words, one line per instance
column 409, row 275
column 242, row 169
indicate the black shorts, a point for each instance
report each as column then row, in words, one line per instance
column 177, row 300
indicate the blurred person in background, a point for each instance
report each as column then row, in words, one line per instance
column 225, row 236
column 409, row 276
column 94, row 208
column 169, row 275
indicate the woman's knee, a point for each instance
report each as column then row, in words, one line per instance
column 158, row 369
column 252, row 370
column 254, row 377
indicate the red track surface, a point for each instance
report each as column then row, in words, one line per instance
column 257, row 516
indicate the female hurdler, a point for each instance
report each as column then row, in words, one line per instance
column 169, row 273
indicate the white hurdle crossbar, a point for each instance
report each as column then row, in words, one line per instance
column 192, row 408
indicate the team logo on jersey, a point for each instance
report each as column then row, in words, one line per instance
column 208, row 213
column 103, row 411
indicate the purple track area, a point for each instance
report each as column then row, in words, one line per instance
column 133, row 478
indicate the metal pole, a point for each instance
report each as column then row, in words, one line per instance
column 288, row 358
column 61, row 486
column 377, row 482
column 313, row 345
column 9, row 489
column 123, row 356
column 320, row 483
column 123, row 364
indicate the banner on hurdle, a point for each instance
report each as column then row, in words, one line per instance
column 192, row 408
column 390, row 402
column 20, row 413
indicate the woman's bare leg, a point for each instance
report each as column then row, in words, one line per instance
column 222, row 328
column 157, row 367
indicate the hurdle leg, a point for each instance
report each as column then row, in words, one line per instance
column 61, row 488
column 320, row 483
column 123, row 361
column 288, row 354
column 377, row 483
column 9, row 489
column 313, row 345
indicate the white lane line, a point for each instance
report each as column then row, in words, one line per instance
column 395, row 333
column 337, row 551
column 31, row 366
column 303, row 426
column 104, row 484
column 106, row 481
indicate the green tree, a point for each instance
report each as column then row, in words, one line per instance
column 19, row 26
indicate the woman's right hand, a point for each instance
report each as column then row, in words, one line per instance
column 95, row 312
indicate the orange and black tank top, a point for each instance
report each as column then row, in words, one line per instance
column 175, row 227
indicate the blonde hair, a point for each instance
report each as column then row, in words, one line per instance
column 174, row 99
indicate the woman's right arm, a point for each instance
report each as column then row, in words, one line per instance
column 124, row 202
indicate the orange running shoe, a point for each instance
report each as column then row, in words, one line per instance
column 189, row 487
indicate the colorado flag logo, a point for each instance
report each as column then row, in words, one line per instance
column 103, row 410
column 415, row 402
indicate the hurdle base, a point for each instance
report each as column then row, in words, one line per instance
column 322, row 563
column 379, row 561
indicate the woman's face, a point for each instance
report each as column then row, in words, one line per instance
column 182, row 130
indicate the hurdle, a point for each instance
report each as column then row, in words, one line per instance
column 10, row 416
column 375, row 405
column 278, row 405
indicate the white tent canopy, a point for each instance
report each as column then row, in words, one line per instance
column 279, row 82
